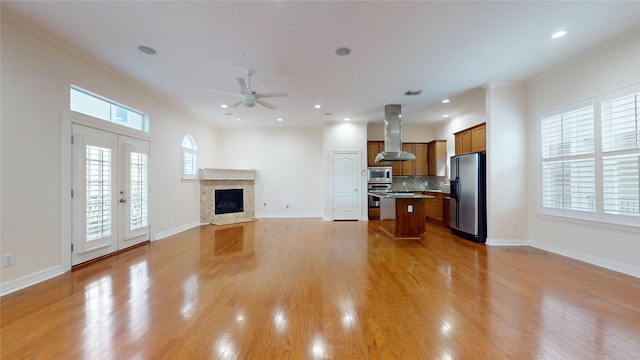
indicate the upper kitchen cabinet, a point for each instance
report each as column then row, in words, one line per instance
column 373, row 149
column 437, row 158
column 409, row 166
column 417, row 167
column 420, row 151
column 472, row 139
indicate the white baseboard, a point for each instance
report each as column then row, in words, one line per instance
column 176, row 230
column 607, row 264
column 507, row 242
column 31, row 279
column 287, row 216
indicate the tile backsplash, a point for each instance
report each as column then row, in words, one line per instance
column 420, row 183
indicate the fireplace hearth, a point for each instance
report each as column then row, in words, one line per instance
column 228, row 201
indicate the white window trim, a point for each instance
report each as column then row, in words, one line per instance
column 597, row 217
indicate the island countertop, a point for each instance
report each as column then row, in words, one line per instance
column 398, row 195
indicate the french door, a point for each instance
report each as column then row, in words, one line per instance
column 110, row 193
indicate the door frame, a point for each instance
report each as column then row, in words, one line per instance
column 362, row 173
column 68, row 119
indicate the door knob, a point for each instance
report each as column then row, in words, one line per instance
column 123, row 200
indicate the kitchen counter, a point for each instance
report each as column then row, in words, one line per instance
column 404, row 195
column 402, row 215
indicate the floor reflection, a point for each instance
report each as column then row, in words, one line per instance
column 138, row 300
column 190, row 293
column 99, row 323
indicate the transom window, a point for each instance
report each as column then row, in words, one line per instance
column 189, row 158
column 590, row 158
column 88, row 103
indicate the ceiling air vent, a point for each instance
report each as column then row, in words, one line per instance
column 413, row 92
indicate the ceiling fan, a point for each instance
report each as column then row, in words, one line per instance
column 250, row 97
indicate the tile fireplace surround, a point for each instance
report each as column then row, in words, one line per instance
column 218, row 179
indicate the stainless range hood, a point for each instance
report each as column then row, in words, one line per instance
column 393, row 137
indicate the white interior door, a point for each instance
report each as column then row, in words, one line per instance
column 346, row 186
column 110, row 193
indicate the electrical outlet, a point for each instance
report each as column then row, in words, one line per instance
column 410, row 208
column 514, row 226
column 7, row 260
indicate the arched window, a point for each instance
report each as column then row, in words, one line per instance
column 189, row 158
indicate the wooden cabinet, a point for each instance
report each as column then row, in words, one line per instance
column 373, row 148
column 446, row 210
column 417, row 167
column 478, row 138
column 420, row 151
column 472, row 139
column 437, row 158
column 409, row 166
column 434, row 208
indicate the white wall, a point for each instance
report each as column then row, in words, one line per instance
column 348, row 137
column 288, row 163
column 474, row 113
column 602, row 70
column 36, row 76
column 506, row 164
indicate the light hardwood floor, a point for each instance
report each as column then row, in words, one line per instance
column 303, row 289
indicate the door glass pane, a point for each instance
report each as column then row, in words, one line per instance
column 98, row 192
column 139, row 194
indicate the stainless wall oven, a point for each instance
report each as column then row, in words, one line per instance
column 374, row 201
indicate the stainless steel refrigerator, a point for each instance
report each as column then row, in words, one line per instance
column 468, row 213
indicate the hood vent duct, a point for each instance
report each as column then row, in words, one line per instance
column 393, row 137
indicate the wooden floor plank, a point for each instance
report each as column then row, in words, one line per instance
column 308, row 289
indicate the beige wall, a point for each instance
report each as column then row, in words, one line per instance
column 36, row 76
column 506, row 164
column 604, row 69
column 288, row 164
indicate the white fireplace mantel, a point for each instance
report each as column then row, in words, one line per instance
column 227, row 174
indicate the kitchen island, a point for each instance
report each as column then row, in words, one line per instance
column 402, row 214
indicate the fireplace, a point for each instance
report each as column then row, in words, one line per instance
column 228, row 201
column 227, row 196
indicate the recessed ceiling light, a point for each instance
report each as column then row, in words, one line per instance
column 445, row 101
column 239, row 119
column 445, row 116
column 279, row 119
column 224, row 106
column 317, row 106
column 147, row 50
column 346, row 119
column 558, row 34
column 343, row 51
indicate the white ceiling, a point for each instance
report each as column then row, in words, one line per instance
column 445, row 48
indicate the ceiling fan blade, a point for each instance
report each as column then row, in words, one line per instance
column 222, row 92
column 279, row 94
column 237, row 103
column 243, row 86
column 265, row 104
